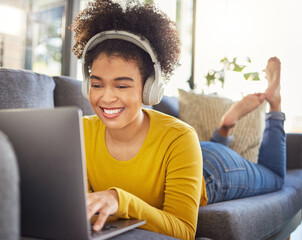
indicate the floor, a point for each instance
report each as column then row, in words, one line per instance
column 297, row 234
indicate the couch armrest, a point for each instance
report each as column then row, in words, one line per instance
column 9, row 190
column 294, row 150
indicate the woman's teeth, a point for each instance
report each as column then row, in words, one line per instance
column 112, row 111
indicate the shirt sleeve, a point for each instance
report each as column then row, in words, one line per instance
column 178, row 218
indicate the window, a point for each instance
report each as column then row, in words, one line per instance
column 45, row 37
column 34, row 35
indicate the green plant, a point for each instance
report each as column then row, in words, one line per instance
column 219, row 75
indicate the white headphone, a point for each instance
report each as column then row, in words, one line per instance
column 153, row 89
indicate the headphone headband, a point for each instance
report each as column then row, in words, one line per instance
column 141, row 42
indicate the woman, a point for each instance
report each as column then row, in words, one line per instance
column 141, row 163
column 228, row 175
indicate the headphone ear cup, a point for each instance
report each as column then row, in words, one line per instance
column 152, row 92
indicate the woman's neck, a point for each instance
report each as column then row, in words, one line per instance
column 124, row 144
column 132, row 133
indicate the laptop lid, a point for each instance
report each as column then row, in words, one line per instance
column 49, row 144
column 50, row 151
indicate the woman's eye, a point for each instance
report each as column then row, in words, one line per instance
column 122, row 86
column 96, row 85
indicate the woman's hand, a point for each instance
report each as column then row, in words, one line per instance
column 105, row 203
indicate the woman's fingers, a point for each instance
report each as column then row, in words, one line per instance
column 105, row 203
column 98, row 225
column 94, row 205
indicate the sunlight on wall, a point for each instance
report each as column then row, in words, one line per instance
column 12, row 36
column 10, row 20
column 252, row 28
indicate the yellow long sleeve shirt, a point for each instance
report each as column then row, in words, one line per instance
column 162, row 184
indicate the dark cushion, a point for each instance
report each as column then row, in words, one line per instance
column 68, row 93
column 294, row 150
column 25, row 89
column 168, row 105
column 252, row 218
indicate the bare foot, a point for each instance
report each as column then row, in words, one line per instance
column 272, row 93
column 241, row 108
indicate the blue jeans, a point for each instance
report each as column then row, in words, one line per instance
column 230, row 176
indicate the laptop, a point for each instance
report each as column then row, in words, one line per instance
column 49, row 146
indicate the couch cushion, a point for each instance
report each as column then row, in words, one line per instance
column 293, row 150
column 68, row 93
column 293, row 178
column 25, row 89
column 204, row 112
column 168, row 105
column 143, row 235
column 252, row 218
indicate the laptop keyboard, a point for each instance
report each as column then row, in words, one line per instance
column 106, row 228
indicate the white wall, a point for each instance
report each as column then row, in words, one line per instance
column 12, row 33
column 258, row 29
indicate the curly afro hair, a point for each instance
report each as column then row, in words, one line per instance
column 141, row 19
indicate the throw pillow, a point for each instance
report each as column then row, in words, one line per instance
column 25, row 89
column 204, row 112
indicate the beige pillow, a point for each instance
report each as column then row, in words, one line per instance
column 203, row 112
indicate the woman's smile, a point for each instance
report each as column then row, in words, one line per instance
column 112, row 112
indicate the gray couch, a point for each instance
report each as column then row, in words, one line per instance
column 270, row 216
